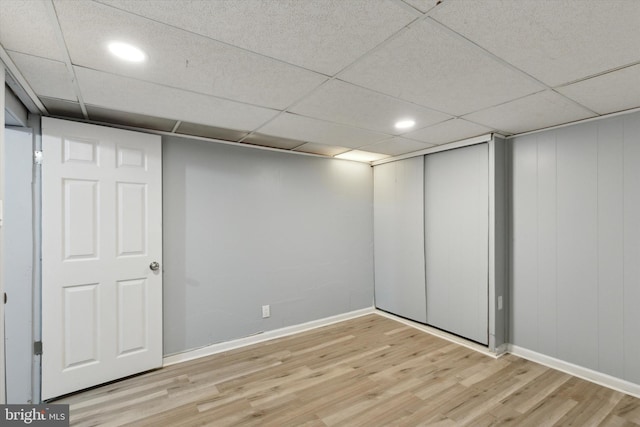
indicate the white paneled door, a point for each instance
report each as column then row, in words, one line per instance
column 101, row 238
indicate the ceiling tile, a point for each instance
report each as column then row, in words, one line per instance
column 320, row 35
column 345, row 103
column 449, row 131
column 533, row 112
column 396, row 146
column 135, row 96
column 196, row 129
column 46, row 77
column 422, row 5
column 555, row 41
column 25, row 26
column 615, row 91
column 361, row 156
column 178, row 58
column 306, row 129
column 58, row 107
column 129, row 119
column 430, row 67
column 272, row 141
column 321, row 149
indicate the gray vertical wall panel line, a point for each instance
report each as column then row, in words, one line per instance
column 632, row 248
column 399, row 238
column 524, row 286
column 577, row 245
column 456, row 236
column 18, row 265
column 546, row 243
column 610, row 246
column 245, row 228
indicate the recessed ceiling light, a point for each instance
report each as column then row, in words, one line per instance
column 361, row 156
column 405, row 124
column 127, row 52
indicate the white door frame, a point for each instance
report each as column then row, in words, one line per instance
column 34, row 123
column 3, row 384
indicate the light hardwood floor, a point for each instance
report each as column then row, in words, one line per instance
column 369, row 371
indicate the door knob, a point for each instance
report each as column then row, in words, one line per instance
column 154, row 266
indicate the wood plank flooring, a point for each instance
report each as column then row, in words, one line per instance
column 369, row 371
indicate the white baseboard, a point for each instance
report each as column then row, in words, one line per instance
column 577, row 371
column 440, row 334
column 502, row 349
column 264, row 336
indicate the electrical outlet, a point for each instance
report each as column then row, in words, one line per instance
column 266, row 311
column 500, row 302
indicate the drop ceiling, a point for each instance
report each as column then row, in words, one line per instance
column 328, row 76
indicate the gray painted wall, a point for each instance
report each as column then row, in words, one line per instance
column 398, row 213
column 575, row 270
column 246, row 227
column 18, row 264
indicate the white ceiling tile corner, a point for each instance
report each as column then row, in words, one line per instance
column 293, row 126
column 46, row 77
column 422, row 5
column 27, row 27
column 321, row 149
column 615, row 91
column 273, row 142
column 135, row 96
column 538, row 111
column 396, row 146
column 449, row 131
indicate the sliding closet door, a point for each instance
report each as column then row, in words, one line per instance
column 456, row 240
column 399, row 238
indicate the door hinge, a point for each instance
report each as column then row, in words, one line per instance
column 37, row 157
column 37, row 348
column 5, row 297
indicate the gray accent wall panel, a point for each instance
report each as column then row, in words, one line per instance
column 575, row 270
column 631, row 289
column 245, row 227
column 524, row 271
column 399, row 238
column 611, row 247
column 18, row 264
column 456, row 240
column 577, row 174
column 547, row 273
